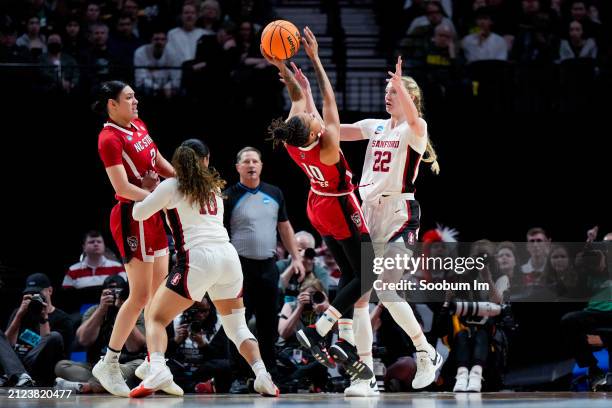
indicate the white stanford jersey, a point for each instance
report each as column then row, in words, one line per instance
column 392, row 159
column 191, row 225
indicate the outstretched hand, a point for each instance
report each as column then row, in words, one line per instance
column 299, row 76
column 310, row 44
column 396, row 77
column 272, row 60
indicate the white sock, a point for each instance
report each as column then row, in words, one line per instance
column 476, row 370
column 158, row 361
column 258, row 367
column 402, row 315
column 345, row 330
column 111, row 356
column 327, row 321
column 362, row 328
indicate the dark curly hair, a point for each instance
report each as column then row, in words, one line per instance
column 198, row 183
column 294, row 132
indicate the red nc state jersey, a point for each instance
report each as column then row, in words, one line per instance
column 131, row 147
column 324, row 179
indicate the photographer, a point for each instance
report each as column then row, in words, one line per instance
column 39, row 331
column 94, row 333
column 306, row 245
column 303, row 306
column 198, row 348
column 594, row 276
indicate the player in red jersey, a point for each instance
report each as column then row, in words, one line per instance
column 332, row 209
column 132, row 161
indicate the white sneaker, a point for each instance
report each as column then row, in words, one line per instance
column 110, row 377
column 265, row 386
column 474, row 382
column 462, row 380
column 155, row 381
column 426, row 369
column 363, row 388
column 62, row 384
column 142, row 372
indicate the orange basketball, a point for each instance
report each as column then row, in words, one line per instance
column 280, row 39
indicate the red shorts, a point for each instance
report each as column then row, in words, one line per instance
column 143, row 240
column 339, row 217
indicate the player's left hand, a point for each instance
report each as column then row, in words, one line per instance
column 298, row 269
column 396, row 77
column 150, row 180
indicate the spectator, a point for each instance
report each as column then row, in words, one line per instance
column 577, row 46
column 182, row 41
column 484, row 45
column 538, row 246
column 580, row 13
column 210, row 16
column 303, row 310
column 39, row 332
column 13, row 372
column 198, row 348
column 304, row 241
column 33, row 40
column 559, row 274
column 123, row 42
column 99, row 60
column 254, row 213
column 10, row 51
column 94, row 334
column 434, row 16
column 73, row 40
column 592, row 271
column 60, row 71
column 42, row 10
column 507, row 268
column 441, row 51
column 92, row 15
column 140, row 26
column 148, row 77
column 94, row 268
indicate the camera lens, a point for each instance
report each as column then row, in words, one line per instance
column 318, row 297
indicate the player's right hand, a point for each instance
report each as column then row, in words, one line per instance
column 310, row 43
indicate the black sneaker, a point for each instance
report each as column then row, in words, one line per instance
column 346, row 354
column 239, row 386
column 311, row 340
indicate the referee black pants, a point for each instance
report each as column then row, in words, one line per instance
column 260, row 293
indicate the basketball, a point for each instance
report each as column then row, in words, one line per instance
column 280, row 39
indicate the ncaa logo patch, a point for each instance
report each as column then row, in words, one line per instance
column 132, row 243
column 175, row 279
column 356, row 219
column 266, row 200
column 379, row 129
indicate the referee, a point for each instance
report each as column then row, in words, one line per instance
column 254, row 211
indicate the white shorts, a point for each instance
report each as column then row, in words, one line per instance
column 212, row 268
column 392, row 219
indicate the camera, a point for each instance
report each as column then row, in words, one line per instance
column 189, row 317
column 36, row 304
column 115, row 292
column 315, row 299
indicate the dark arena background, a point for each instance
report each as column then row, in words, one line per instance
column 522, row 141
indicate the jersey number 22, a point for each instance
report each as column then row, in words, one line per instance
column 381, row 161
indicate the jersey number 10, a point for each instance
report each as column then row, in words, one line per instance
column 212, row 209
column 314, row 172
column 381, row 161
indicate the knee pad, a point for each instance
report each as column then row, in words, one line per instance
column 236, row 328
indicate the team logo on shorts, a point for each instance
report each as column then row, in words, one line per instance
column 302, row 155
column 133, row 243
column 410, row 238
column 356, row 219
column 175, row 279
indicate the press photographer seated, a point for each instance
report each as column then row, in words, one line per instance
column 198, row 348
column 94, row 334
column 304, row 304
column 38, row 331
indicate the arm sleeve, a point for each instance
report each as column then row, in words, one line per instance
column 155, row 201
column 110, row 149
column 282, row 209
column 367, row 126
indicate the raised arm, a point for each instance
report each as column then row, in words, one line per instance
column 331, row 118
column 298, row 100
column 407, row 104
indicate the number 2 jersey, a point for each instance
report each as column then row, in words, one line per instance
column 131, row 147
column 392, row 158
column 324, row 179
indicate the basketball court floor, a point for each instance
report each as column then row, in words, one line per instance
column 412, row 400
